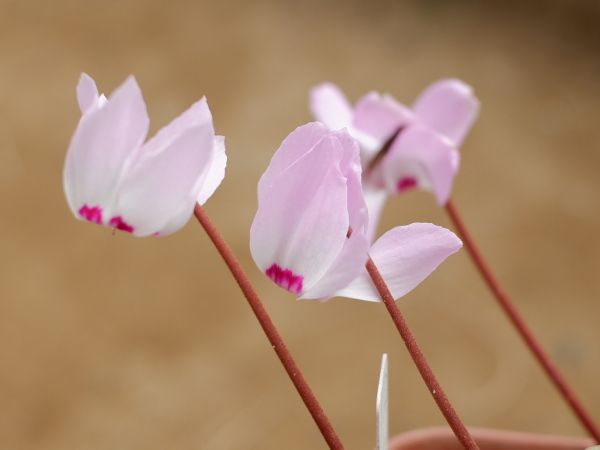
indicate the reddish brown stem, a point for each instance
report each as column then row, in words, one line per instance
column 509, row 309
column 286, row 358
column 459, row 429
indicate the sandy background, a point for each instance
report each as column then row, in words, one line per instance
column 110, row 342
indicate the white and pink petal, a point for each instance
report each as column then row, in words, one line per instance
column 298, row 143
column 353, row 255
column 421, row 158
column 404, row 256
column 330, row 106
column 448, row 106
column 375, row 200
column 302, row 219
column 102, row 148
column 198, row 114
column 216, row 173
column 87, row 93
column 347, row 266
column 380, row 116
column 159, row 193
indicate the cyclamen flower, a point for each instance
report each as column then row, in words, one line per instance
column 309, row 233
column 112, row 178
column 420, row 144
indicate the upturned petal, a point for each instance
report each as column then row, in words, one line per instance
column 196, row 115
column 301, row 141
column 449, row 107
column 103, row 146
column 158, row 195
column 330, row 106
column 421, row 158
column 302, row 220
column 380, row 116
column 404, row 256
column 216, row 173
column 87, row 92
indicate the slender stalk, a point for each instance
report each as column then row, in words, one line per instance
column 286, row 358
column 459, row 429
column 519, row 323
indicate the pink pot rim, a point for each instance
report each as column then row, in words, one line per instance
column 442, row 438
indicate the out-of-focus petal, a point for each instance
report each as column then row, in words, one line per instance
column 330, row 106
column 421, row 158
column 87, row 92
column 380, row 116
column 299, row 142
column 404, row 256
column 449, row 107
column 104, row 143
column 162, row 188
column 353, row 255
column 216, row 172
column 302, row 220
column 375, row 199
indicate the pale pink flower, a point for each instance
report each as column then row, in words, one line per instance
column 422, row 142
column 113, row 178
column 309, row 233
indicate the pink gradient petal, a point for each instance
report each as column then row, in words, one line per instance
column 87, row 92
column 424, row 158
column 159, row 193
column 375, row 199
column 330, row 106
column 103, row 146
column 345, row 268
column 216, row 173
column 297, row 144
column 380, row 116
column 405, row 256
column 302, row 219
column 449, row 107
column 195, row 116
column 353, row 255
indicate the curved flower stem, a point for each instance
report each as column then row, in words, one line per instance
column 286, row 358
column 460, row 430
column 509, row 309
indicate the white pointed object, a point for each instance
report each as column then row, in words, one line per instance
column 381, row 411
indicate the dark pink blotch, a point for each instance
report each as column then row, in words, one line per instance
column 285, row 278
column 118, row 223
column 91, row 213
column 406, row 184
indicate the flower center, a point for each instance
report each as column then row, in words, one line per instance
column 91, row 213
column 406, row 183
column 285, row 278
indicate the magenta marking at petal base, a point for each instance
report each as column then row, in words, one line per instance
column 285, row 278
column 91, row 213
column 118, row 223
column 406, row 184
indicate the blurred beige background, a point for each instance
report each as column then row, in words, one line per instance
column 110, row 342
